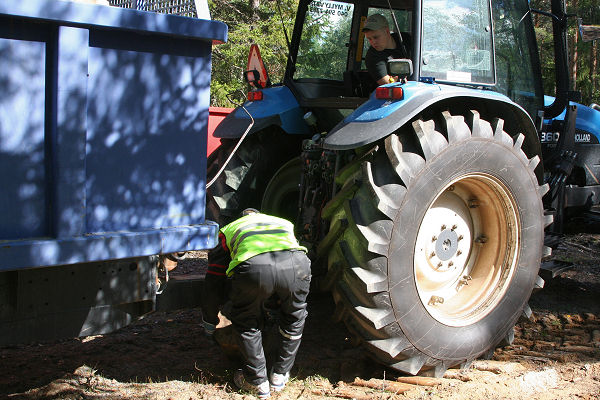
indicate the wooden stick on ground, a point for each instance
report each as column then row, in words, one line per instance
column 419, row 380
column 390, row 386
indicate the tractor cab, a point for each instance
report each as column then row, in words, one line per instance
column 473, row 43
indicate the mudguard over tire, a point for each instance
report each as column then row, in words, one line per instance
column 443, row 243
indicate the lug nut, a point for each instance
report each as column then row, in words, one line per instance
column 436, row 300
column 463, row 282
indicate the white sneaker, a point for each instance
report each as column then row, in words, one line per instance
column 261, row 391
column 278, row 381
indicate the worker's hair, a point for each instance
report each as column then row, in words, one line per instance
column 249, row 211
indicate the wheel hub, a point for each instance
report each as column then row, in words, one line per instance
column 442, row 240
column 465, row 249
column 446, row 244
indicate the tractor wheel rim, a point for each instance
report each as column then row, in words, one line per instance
column 466, row 249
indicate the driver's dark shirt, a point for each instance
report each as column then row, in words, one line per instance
column 376, row 61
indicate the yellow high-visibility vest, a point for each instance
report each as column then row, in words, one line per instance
column 258, row 233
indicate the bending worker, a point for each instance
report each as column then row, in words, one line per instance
column 262, row 257
column 384, row 46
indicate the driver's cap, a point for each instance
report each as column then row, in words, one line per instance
column 375, row 22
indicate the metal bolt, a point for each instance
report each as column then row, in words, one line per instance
column 435, row 300
column 460, row 237
column 454, row 227
column 463, row 282
column 440, row 265
column 443, row 227
column 432, row 254
column 433, row 238
column 450, row 263
column 458, row 252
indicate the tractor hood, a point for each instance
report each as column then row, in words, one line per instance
column 587, row 122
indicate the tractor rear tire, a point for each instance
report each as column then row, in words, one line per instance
column 443, row 244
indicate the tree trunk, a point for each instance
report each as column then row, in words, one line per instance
column 575, row 54
column 594, row 67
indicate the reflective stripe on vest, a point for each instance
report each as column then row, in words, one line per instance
column 256, row 234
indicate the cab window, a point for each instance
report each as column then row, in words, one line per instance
column 457, row 41
column 323, row 52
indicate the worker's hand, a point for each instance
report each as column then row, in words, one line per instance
column 387, row 79
column 209, row 329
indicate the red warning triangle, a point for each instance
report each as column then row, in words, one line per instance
column 255, row 62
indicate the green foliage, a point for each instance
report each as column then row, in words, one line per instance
column 323, row 49
column 584, row 56
column 259, row 22
column 248, row 22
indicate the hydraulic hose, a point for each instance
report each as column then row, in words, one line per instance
column 209, row 184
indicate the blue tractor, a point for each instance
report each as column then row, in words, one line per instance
column 422, row 201
column 574, row 167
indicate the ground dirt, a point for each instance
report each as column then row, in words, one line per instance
column 165, row 355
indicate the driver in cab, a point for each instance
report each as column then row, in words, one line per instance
column 384, row 46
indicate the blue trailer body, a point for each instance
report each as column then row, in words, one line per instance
column 103, row 131
column 103, row 134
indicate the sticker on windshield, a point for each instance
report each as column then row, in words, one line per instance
column 458, row 76
column 330, row 8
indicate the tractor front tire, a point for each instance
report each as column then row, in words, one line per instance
column 243, row 181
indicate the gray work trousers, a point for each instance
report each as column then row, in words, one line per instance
column 286, row 273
